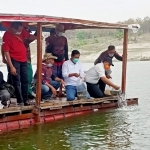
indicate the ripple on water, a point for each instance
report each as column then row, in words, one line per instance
column 120, row 129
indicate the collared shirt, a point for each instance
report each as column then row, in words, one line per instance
column 47, row 74
column 95, row 73
column 58, row 46
column 68, row 68
column 14, row 44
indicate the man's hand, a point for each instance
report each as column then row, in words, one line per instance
column 54, row 91
column 116, row 87
column 108, row 76
column 63, row 83
column 13, row 71
column 76, row 75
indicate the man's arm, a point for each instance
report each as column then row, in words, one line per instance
column 81, row 72
column 65, row 70
column 3, row 56
column 1, row 78
column 32, row 37
column 27, row 35
column 6, row 47
column 118, row 57
column 66, row 50
column 49, row 47
column 108, row 82
column 60, row 80
column 9, row 62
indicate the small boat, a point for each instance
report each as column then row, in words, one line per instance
column 13, row 118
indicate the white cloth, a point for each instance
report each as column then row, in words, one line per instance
column 95, row 73
column 68, row 68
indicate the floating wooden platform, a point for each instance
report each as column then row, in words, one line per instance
column 20, row 117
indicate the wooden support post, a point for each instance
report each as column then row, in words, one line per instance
column 124, row 63
column 39, row 71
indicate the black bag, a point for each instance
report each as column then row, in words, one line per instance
column 9, row 88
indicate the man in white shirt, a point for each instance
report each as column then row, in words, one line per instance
column 96, row 73
column 72, row 71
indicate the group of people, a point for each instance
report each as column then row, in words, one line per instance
column 58, row 70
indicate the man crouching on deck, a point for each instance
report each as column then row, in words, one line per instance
column 96, row 73
column 50, row 83
column 72, row 71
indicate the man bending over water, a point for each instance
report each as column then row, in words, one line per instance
column 96, row 73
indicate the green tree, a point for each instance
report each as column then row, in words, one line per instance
column 81, row 35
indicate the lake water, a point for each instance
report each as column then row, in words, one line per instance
column 119, row 129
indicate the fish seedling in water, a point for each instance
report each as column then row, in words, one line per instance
column 122, row 102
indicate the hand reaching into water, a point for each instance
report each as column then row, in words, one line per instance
column 116, row 87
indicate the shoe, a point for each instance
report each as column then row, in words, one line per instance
column 30, row 96
column 20, row 104
column 105, row 95
column 46, row 100
column 33, row 94
column 26, row 104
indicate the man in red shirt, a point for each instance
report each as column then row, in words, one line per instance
column 15, row 53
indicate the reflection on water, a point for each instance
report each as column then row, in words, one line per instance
column 119, row 129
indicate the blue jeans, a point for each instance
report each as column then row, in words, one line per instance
column 46, row 91
column 71, row 93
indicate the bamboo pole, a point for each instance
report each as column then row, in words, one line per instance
column 124, row 63
column 39, row 70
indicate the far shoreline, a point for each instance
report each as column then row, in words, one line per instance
column 135, row 60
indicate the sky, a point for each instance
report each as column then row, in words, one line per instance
column 98, row 10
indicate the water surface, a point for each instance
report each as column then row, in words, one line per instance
column 119, row 129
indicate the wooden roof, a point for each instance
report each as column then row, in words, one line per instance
column 69, row 23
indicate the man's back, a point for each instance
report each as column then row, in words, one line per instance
column 94, row 73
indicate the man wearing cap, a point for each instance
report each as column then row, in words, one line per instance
column 50, row 82
column 58, row 46
column 14, row 51
column 96, row 73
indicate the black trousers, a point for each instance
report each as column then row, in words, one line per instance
column 102, row 86
column 19, row 81
column 96, row 90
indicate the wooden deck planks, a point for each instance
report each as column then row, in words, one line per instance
column 57, row 103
